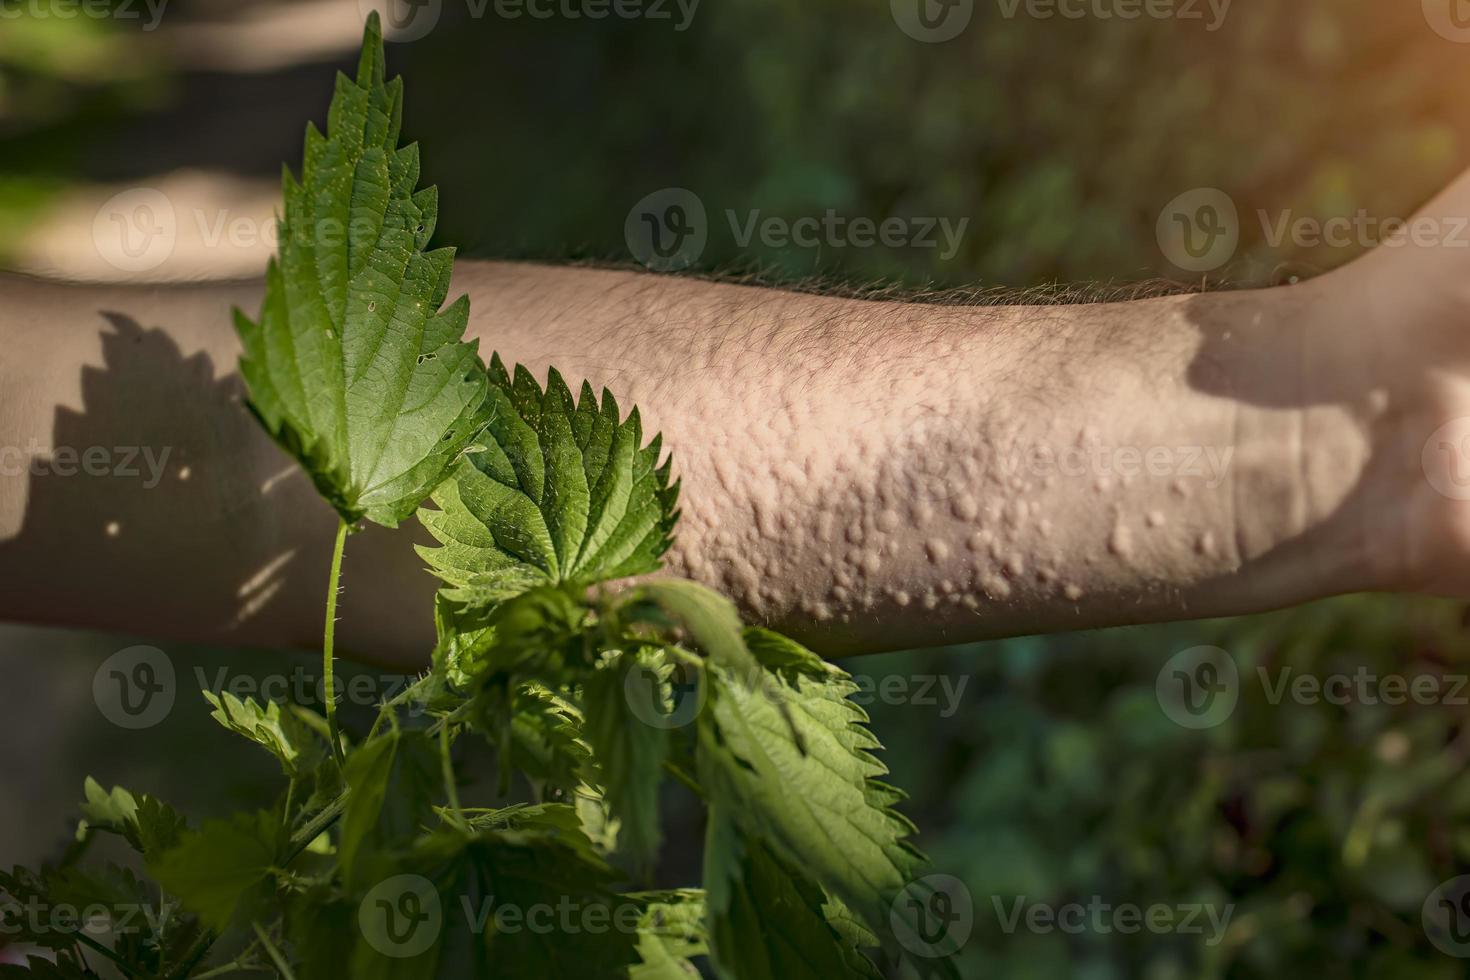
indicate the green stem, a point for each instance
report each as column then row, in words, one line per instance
column 684, row 778
column 333, row 584
column 450, row 789
column 324, row 818
column 329, row 814
column 97, row 947
column 245, row 961
column 196, row 953
column 280, row 961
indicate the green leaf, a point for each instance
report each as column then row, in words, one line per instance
column 322, row 928
column 23, row 889
column 546, row 743
column 840, row 829
column 223, row 866
column 392, row 780
column 146, row 932
column 670, row 934
column 765, row 917
column 148, row 824
column 784, row 655
column 282, row 732
column 353, row 367
column 40, row 968
column 629, row 751
column 563, row 493
column 533, row 901
column 710, row 619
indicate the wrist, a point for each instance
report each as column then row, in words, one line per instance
column 1378, row 393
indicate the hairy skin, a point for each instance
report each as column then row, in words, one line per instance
column 865, row 474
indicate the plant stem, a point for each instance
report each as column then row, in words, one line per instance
column 274, row 954
column 329, row 814
column 97, row 947
column 450, row 789
column 333, row 585
column 324, row 818
column 196, row 953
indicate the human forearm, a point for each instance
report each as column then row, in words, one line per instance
column 859, row 473
column 872, row 475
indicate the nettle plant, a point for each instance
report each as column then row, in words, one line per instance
column 368, row 865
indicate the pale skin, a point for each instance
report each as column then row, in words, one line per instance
column 866, row 475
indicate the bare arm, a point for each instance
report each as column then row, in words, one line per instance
column 867, row 475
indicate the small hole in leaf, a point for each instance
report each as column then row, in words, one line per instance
column 426, row 357
column 372, row 307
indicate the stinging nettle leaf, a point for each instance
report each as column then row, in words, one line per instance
column 765, row 915
column 355, row 366
column 280, row 730
column 223, row 866
column 148, row 824
column 670, row 934
column 710, row 619
column 629, row 752
column 562, row 493
column 797, row 729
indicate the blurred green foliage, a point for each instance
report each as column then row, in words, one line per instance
column 59, row 79
column 1324, row 827
column 1060, row 777
column 1060, row 140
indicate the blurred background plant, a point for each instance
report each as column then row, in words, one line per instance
column 1059, row 777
